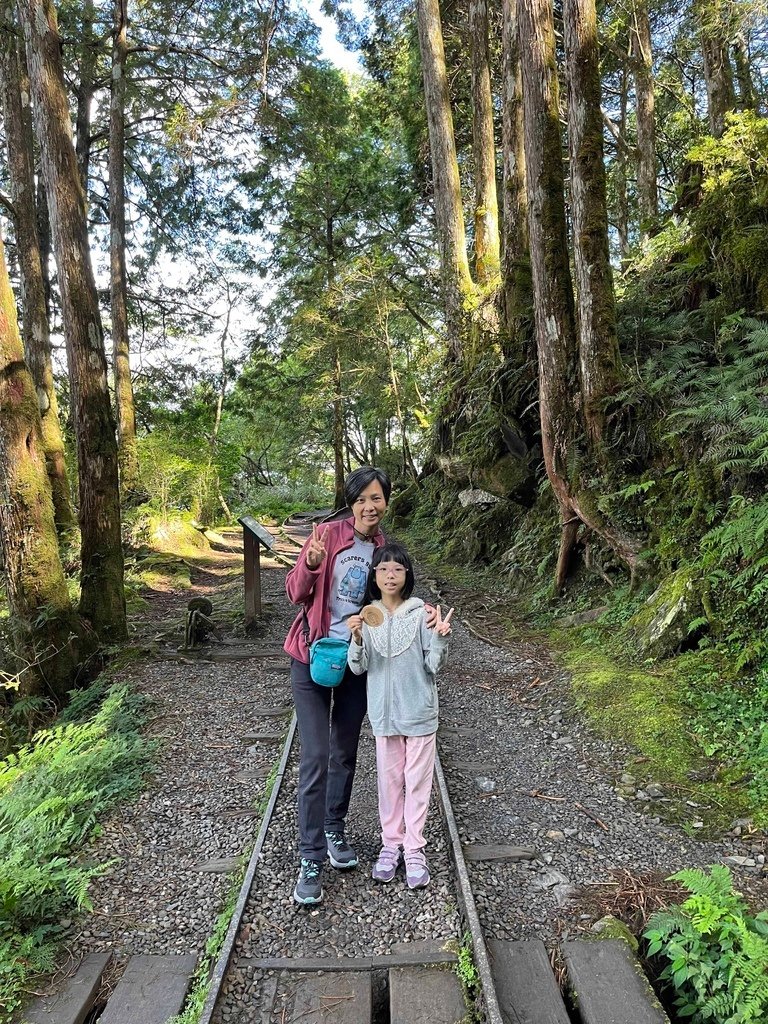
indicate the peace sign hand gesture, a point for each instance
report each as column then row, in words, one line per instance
column 443, row 625
column 316, row 549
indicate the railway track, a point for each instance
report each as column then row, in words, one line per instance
column 280, row 963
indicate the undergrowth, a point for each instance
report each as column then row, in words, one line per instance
column 53, row 792
column 715, row 953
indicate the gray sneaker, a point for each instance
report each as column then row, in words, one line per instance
column 416, row 870
column 340, row 853
column 308, row 888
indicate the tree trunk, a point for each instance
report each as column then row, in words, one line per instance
column 43, row 223
column 338, row 436
column 620, row 170
column 46, row 633
column 516, row 270
column 642, row 59
column 559, row 398
column 84, row 93
column 37, row 341
column 487, row 243
column 718, row 75
column 102, row 599
column 747, row 93
column 126, row 413
column 596, row 309
column 458, row 288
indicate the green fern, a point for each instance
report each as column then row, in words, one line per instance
column 716, row 954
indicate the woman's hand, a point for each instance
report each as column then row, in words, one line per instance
column 443, row 625
column 355, row 624
column 431, row 615
column 316, row 549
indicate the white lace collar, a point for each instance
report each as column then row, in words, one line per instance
column 398, row 630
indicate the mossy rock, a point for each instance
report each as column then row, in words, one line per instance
column 403, row 503
column 454, row 469
column 504, row 477
column 610, row 927
column 177, row 536
column 662, row 624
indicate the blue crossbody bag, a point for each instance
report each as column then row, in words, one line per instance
column 327, row 657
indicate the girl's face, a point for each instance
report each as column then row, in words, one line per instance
column 390, row 578
column 369, row 508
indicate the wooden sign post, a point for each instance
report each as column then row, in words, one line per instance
column 254, row 535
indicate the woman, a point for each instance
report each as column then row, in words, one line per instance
column 329, row 580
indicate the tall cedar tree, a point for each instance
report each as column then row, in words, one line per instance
column 642, row 63
column 102, row 599
column 48, row 639
column 118, row 291
column 560, row 404
column 596, row 307
column 21, row 173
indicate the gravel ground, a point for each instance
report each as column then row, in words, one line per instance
column 508, row 730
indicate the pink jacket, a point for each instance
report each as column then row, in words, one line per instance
column 311, row 587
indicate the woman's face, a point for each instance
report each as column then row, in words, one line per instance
column 369, row 508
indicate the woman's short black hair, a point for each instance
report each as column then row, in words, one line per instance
column 390, row 552
column 361, row 478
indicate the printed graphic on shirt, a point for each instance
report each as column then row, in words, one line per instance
column 350, row 575
column 352, row 586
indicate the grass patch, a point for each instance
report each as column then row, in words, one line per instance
column 53, row 792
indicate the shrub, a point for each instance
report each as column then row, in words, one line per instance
column 716, row 953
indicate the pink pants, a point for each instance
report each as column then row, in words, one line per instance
column 404, row 766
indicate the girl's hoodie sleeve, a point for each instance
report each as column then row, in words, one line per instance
column 300, row 581
column 435, row 649
column 357, row 656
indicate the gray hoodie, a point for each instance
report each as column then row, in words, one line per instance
column 402, row 658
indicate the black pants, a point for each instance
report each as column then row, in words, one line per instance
column 329, row 730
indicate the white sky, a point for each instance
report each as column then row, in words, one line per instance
column 330, row 46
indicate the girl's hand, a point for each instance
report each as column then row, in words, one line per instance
column 355, row 624
column 443, row 625
column 316, row 549
column 431, row 616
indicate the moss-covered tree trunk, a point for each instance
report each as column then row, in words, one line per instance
column 747, row 92
column 37, row 342
column 118, row 291
column 718, row 73
column 642, row 65
column 486, row 213
column 102, row 599
column 458, row 288
column 47, row 634
column 516, row 271
column 595, row 303
column 560, row 406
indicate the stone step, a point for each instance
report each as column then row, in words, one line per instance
column 72, row 1003
column 151, row 990
column 525, row 985
column 328, row 998
column 425, row 994
column 609, row 985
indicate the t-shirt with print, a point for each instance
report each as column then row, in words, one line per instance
column 350, row 576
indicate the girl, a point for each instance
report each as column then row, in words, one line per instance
column 401, row 656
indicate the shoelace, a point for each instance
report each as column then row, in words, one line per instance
column 311, row 870
column 337, row 838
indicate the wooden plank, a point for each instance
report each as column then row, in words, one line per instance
column 525, row 984
column 609, row 985
column 151, row 990
column 477, row 852
column 71, row 1004
column 425, row 994
column 324, row 998
column 403, row 954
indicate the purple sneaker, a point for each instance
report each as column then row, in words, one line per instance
column 386, row 865
column 416, row 870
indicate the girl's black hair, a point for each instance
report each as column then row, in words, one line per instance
column 389, row 552
column 363, row 477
